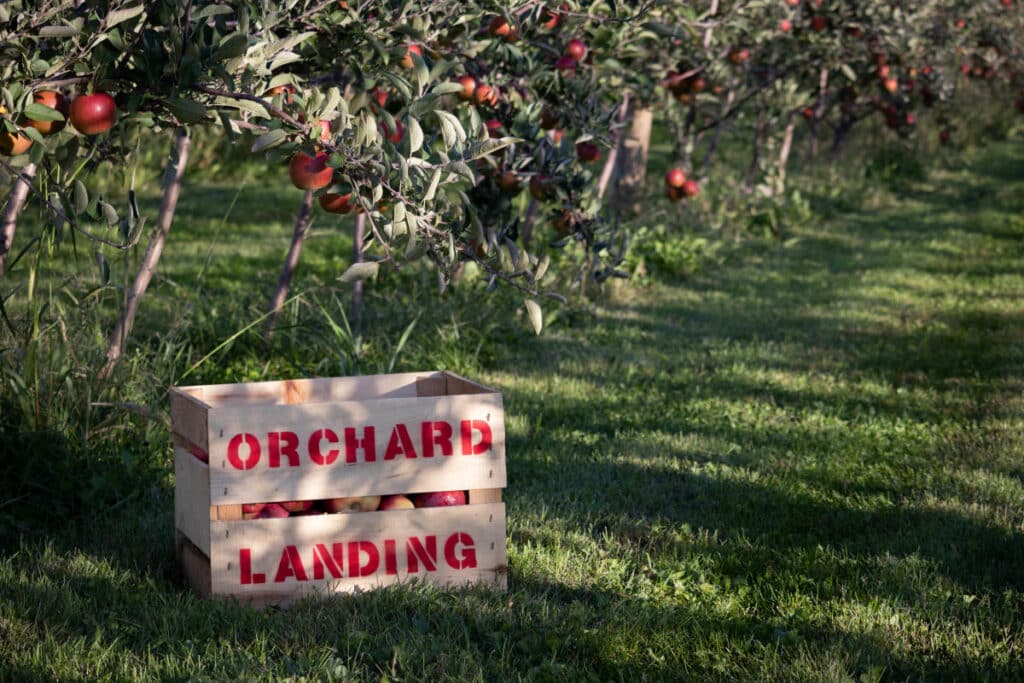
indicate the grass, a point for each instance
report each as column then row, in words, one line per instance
column 802, row 464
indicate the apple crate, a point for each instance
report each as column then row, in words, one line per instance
column 337, row 438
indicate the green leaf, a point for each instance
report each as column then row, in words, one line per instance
column 422, row 73
column 415, row 135
column 848, row 72
column 233, row 45
column 109, row 213
column 121, row 15
column 542, row 268
column 81, row 197
column 269, row 139
column 186, row 111
column 58, row 32
column 212, row 10
column 489, row 146
column 447, row 88
column 360, row 271
column 432, row 189
column 536, row 316
column 40, row 112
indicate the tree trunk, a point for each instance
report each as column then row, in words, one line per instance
column 787, row 146
column 717, row 135
column 633, row 162
column 15, row 204
column 611, row 163
column 179, row 159
column 358, row 233
column 819, row 110
column 291, row 262
column 755, row 157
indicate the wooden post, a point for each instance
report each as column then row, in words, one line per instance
column 633, row 161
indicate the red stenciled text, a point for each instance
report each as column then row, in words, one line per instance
column 326, row 446
column 323, row 561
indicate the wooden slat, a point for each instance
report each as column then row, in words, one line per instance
column 296, row 392
column 403, row 474
column 194, row 565
column 263, row 543
column 189, row 418
column 431, row 386
column 484, row 496
column 461, row 385
column 192, row 511
column 363, row 387
column 229, row 513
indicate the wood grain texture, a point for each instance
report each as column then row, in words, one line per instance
column 308, row 480
column 271, row 568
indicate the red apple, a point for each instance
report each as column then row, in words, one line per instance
column 310, row 172
column 398, row 502
column 485, row 95
column 272, row 511
column 549, row 118
column 297, row 505
column 436, row 499
column 468, row 84
column 494, row 127
column 13, row 144
column 325, row 129
column 540, row 187
column 286, row 90
column 332, row 202
column 576, row 49
column 551, row 18
column 891, row 85
column 380, row 96
column 407, row 62
column 819, row 22
column 785, row 25
column 807, row 113
column 674, row 193
column 395, row 137
column 588, row 151
column 93, row 114
column 691, row 188
column 738, row 55
column 53, row 100
column 252, row 510
column 566, row 64
column 199, row 453
column 500, row 28
column 675, row 177
column 509, row 182
column 352, row 504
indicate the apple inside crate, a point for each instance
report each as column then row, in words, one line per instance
column 292, row 452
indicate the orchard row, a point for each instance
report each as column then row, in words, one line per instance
column 430, row 122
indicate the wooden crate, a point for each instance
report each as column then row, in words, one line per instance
column 323, row 438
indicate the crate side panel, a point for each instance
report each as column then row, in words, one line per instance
column 456, row 384
column 340, row 553
column 367, row 387
column 192, row 497
column 194, row 565
column 189, row 418
column 313, row 459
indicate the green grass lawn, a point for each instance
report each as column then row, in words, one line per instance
column 803, row 463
